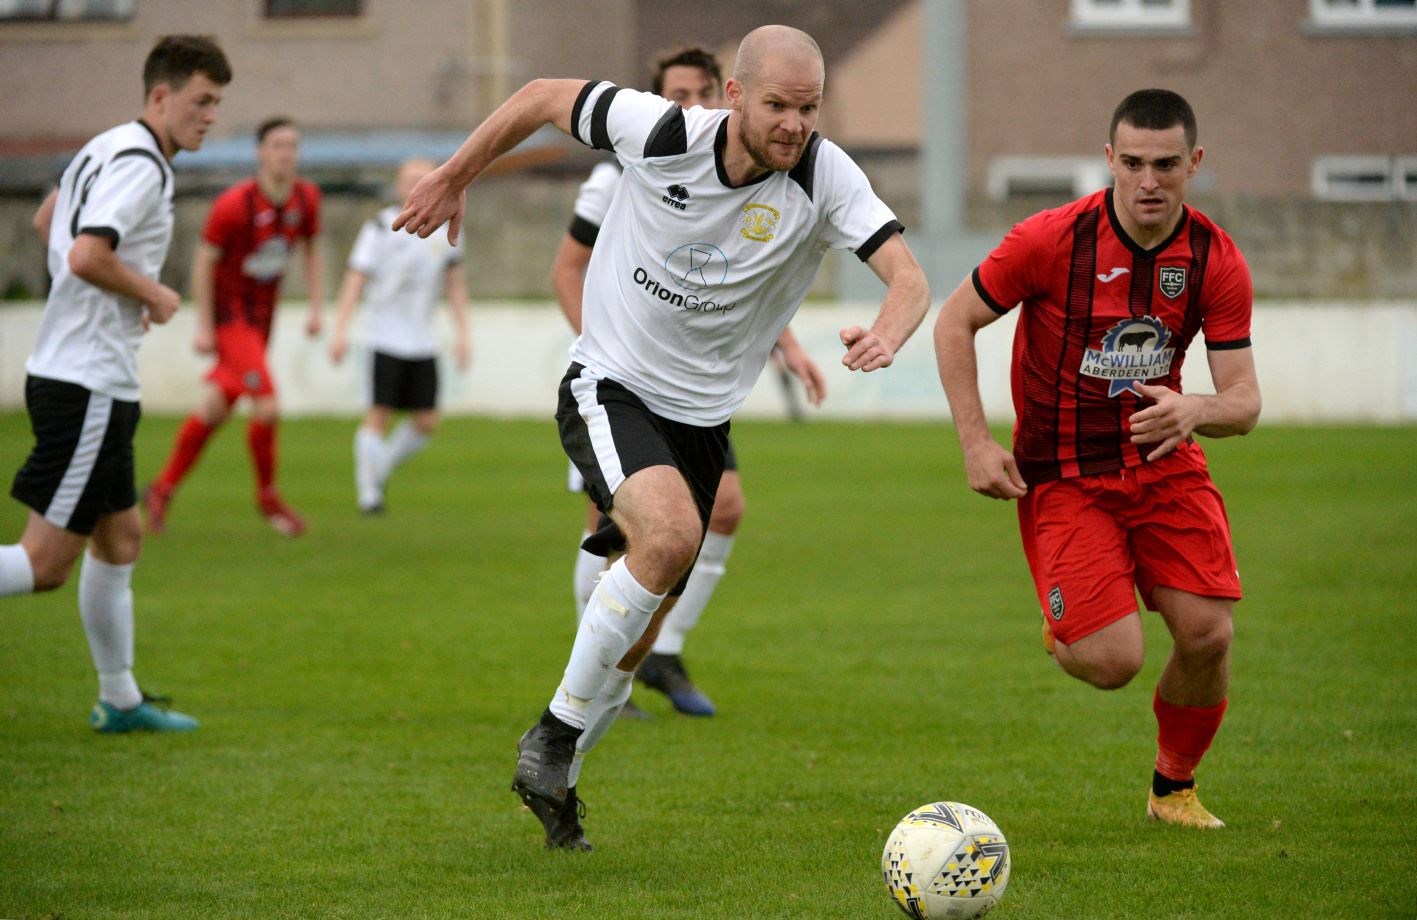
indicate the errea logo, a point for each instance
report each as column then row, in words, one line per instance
column 677, row 197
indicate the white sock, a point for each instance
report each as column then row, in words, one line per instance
column 368, row 463
column 405, row 441
column 587, row 573
column 106, row 607
column 619, row 610
column 602, row 713
column 708, row 569
column 16, row 572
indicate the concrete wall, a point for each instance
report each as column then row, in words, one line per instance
column 1336, row 362
column 1297, row 248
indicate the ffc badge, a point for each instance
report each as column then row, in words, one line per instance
column 1055, row 602
column 1172, row 280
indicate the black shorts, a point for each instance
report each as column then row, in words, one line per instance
column 405, row 383
column 575, row 482
column 610, row 434
column 81, row 467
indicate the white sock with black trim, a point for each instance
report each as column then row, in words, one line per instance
column 16, row 571
column 703, row 580
column 603, row 711
column 619, row 610
column 106, row 607
column 587, row 573
column 405, row 441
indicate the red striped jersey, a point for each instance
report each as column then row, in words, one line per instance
column 256, row 236
column 1100, row 314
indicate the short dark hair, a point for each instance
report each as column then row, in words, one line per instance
column 1155, row 110
column 175, row 58
column 270, row 124
column 687, row 56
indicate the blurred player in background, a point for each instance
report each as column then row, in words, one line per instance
column 1113, row 492
column 107, row 228
column 236, row 275
column 682, row 308
column 689, row 76
column 403, row 278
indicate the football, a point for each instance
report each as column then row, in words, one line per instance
column 946, row 860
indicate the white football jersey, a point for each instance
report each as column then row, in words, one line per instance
column 691, row 281
column 592, row 201
column 406, row 276
column 119, row 187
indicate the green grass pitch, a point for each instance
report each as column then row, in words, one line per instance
column 873, row 647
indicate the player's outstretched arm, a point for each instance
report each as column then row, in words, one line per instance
column 801, row 366
column 568, row 277
column 44, row 216
column 314, row 285
column 991, row 469
column 349, row 291
column 455, row 289
column 1234, row 409
column 437, row 199
column 906, row 302
column 203, row 269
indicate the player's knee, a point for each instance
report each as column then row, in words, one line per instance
column 728, row 508
column 672, row 546
column 50, row 572
column 1111, row 671
column 1211, row 641
column 426, row 424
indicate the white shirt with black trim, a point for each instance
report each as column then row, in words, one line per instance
column 592, row 201
column 691, row 280
column 118, row 187
column 406, row 277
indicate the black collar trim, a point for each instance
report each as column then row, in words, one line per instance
column 720, row 143
column 1132, row 244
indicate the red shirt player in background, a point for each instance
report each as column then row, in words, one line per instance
column 1113, row 493
column 252, row 228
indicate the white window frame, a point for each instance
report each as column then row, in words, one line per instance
column 1130, row 14
column 1076, row 176
column 1365, row 13
column 1327, row 172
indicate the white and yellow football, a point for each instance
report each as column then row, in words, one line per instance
column 946, row 860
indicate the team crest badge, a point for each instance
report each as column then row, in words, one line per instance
column 1055, row 602
column 1133, row 351
column 1172, row 280
column 759, row 222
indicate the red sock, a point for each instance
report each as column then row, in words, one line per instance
column 261, row 438
column 1184, row 735
column 191, row 438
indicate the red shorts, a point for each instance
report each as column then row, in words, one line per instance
column 1092, row 541
column 241, row 362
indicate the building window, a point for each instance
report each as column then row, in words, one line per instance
column 66, row 10
column 1131, row 14
column 1363, row 13
column 1365, row 178
column 299, row 9
column 1059, row 177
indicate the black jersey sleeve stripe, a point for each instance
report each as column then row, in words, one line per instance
column 580, row 104
column 670, row 137
column 583, row 231
column 599, row 120
column 806, row 167
column 888, row 229
column 141, row 152
column 107, row 233
column 985, row 296
column 1231, row 345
